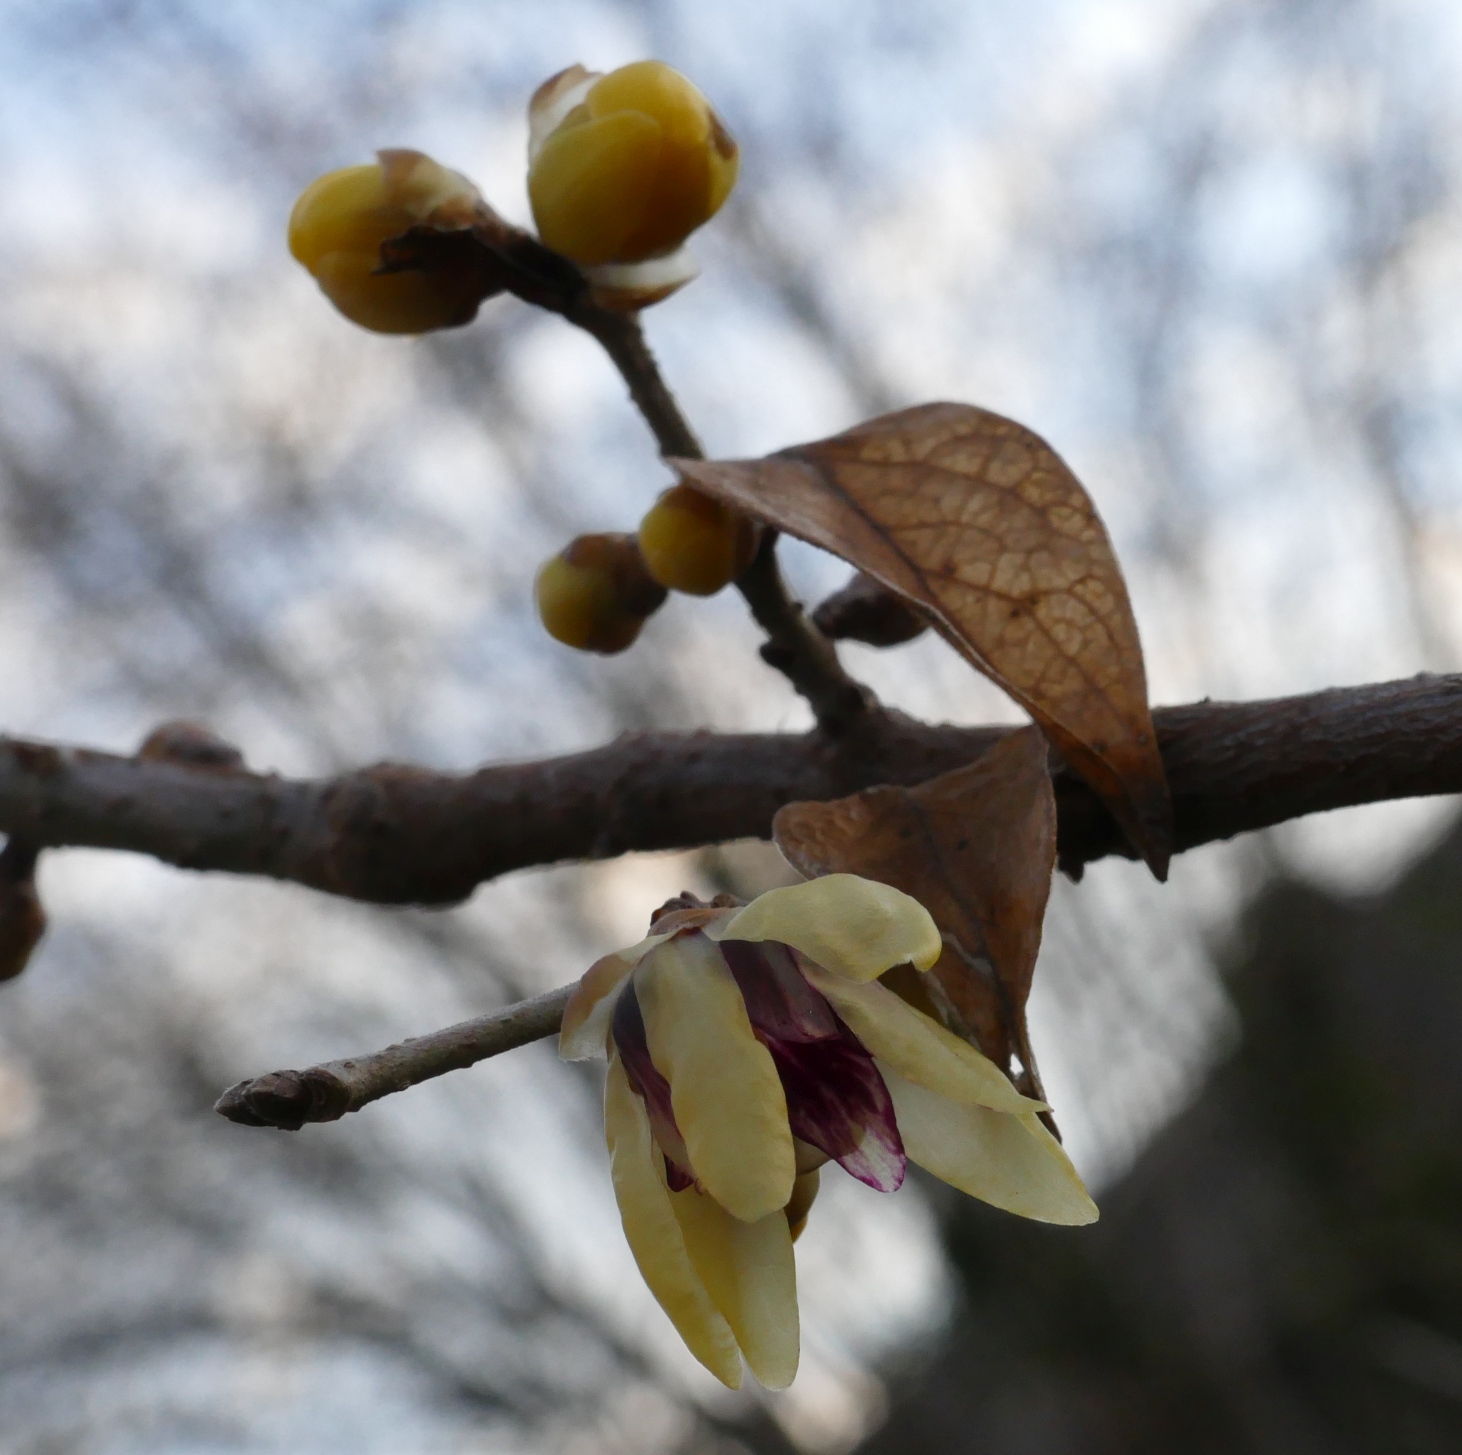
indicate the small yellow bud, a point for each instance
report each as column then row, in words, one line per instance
column 694, row 544
column 341, row 219
column 596, row 594
column 624, row 167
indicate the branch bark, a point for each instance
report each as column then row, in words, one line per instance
column 392, row 834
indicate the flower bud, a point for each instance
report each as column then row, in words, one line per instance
column 341, row 220
column 596, row 593
column 622, row 169
column 694, row 544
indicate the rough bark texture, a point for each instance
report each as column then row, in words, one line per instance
column 393, row 834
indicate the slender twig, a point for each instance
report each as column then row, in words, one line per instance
column 517, row 262
column 397, row 835
column 325, row 1093
column 623, row 339
column 797, row 649
column 794, row 645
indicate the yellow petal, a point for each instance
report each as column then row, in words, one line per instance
column 592, row 182
column 654, row 1235
column 855, row 927
column 803, row 1196
column 590, row 1009
column 1011, row 1162
column 918, row 1047
column 724, row 1086
column 749, row 1271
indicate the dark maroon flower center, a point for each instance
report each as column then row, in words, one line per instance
column 836, row 1099
column 628, row 1029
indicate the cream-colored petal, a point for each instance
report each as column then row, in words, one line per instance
column 724, row 1087
column 856, row 927
column 638, row 285
column 917, row 1046
column 1012, row 1162
column 749, row 1271
column 590, row 1009
column 552, row 101
column 803, row 1196
column 654, row 1235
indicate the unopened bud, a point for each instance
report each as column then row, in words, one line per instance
column 694, row 544
column 342, row 219
column 596, row 593
column 622, row 169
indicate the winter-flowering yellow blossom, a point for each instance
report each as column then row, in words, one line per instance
column 341, row 219
column 748, row 1047
column 622, row 168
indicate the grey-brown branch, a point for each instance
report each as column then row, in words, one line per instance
column 324, row 1093
column 391, row 834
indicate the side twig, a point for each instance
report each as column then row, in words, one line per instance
column 517, row 262
column 794, row 645
column 325, row 1093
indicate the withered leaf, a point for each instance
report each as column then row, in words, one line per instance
column 22, row 920
column 977, row 848
column 980, row 524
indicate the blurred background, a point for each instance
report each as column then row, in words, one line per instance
column 1211, row 249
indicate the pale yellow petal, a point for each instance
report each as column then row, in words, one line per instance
column 917, row 1046
column 590, row 1009
column 654, row 1235
column 803, row 1196
column 749, row 1271
column 724, row 1086
column 1012, row 1162
column 856, row 927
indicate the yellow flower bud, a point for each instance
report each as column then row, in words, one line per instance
column 596, row 594
column 624, row 167
column 341, row 219
column 694, row 544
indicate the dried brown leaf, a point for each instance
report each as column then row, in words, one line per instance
column 977, row 848
column 978, row 523
column 22, row 920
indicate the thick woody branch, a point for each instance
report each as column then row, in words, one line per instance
column 289, row 1099
column 397, row 835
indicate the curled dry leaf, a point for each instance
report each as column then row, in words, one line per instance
column 22, row 920
column 976, row 847
column 979, row 523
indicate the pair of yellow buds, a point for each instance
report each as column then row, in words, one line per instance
column 599, row 591
column 622, row 169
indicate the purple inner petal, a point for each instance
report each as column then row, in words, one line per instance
column 628, row 1029
column 837, row 1101
column 781, row 1004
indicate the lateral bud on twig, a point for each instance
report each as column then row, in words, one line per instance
column 192, row 744
column 864, row 611
column 22, row 920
